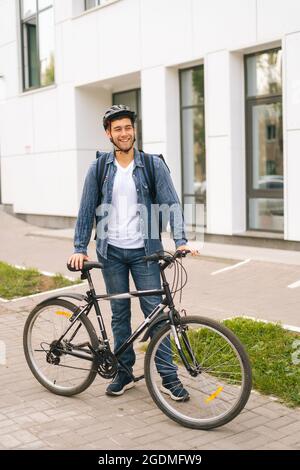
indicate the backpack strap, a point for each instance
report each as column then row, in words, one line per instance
column 101, row 172
column 149, row 171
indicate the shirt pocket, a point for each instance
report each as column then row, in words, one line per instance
column 145, row 188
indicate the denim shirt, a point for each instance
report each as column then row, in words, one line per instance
column 165, row 195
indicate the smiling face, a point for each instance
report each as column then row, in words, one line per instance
column 122, row 133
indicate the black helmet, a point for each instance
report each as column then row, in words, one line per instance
column 117, row 111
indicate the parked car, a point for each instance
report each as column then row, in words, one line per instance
column 271, row 182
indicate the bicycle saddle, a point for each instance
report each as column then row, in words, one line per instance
column 87, row 266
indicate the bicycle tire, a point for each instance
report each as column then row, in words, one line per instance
column 177, row 410
column 27, row 344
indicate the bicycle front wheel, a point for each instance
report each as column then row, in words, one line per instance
column 65, row 367
column 218, row 383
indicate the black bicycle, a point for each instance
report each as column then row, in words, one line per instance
column 65, row 354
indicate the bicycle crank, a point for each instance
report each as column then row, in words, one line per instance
column 107, row 363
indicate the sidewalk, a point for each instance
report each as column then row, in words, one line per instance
column 33, row 418
column 234, row 252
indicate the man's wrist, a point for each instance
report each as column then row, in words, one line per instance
column 181, row 242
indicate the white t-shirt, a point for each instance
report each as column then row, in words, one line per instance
column 124, row 221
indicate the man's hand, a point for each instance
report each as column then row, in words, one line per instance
column 77, row 259
column 188, row 248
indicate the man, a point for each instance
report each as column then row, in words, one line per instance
column 127, row 236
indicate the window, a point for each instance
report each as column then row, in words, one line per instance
column 88, row 4
column 37, row 33
column 91, row 4
column 193, row 136
column 264, row 141
column 132, row 98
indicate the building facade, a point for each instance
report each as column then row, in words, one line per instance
column 215, row 84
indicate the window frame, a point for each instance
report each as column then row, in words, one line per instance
column 184, row 107
column 250, row 103
column 139, row 138
column 22, row 23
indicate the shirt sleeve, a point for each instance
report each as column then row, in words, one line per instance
column 86, row 213
column 166, row 194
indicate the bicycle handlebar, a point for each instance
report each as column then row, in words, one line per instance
column 168, row 258
column 158, row 256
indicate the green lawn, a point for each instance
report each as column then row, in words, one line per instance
column 275, row 357
column 16, row 282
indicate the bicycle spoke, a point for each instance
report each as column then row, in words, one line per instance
column 56, row 369
column 218, row 387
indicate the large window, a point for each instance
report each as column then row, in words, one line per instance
column 132, row 98
column 193, row 136
column 264, row 141
column 37, row 32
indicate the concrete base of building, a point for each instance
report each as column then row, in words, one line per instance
column 40, row 220
column 258, row 239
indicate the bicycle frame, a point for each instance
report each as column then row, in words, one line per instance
column 92, row 301
column 181, row 349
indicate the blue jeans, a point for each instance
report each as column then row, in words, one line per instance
column 116, row 268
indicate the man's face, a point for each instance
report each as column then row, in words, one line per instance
column 121, row 131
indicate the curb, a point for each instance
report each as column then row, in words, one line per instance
column 45, row 273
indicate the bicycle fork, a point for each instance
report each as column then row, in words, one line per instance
column 196, row 368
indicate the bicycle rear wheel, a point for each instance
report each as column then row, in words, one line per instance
column 49, row 361
column 220, row 383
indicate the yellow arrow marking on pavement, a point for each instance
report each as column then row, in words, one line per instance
column 64, row 314
column 214, row 395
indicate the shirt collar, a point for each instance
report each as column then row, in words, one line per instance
column 137, row 158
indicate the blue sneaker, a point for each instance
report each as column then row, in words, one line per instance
column 120, row 383
column 174, row 388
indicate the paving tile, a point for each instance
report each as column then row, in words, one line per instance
column 33, row 418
